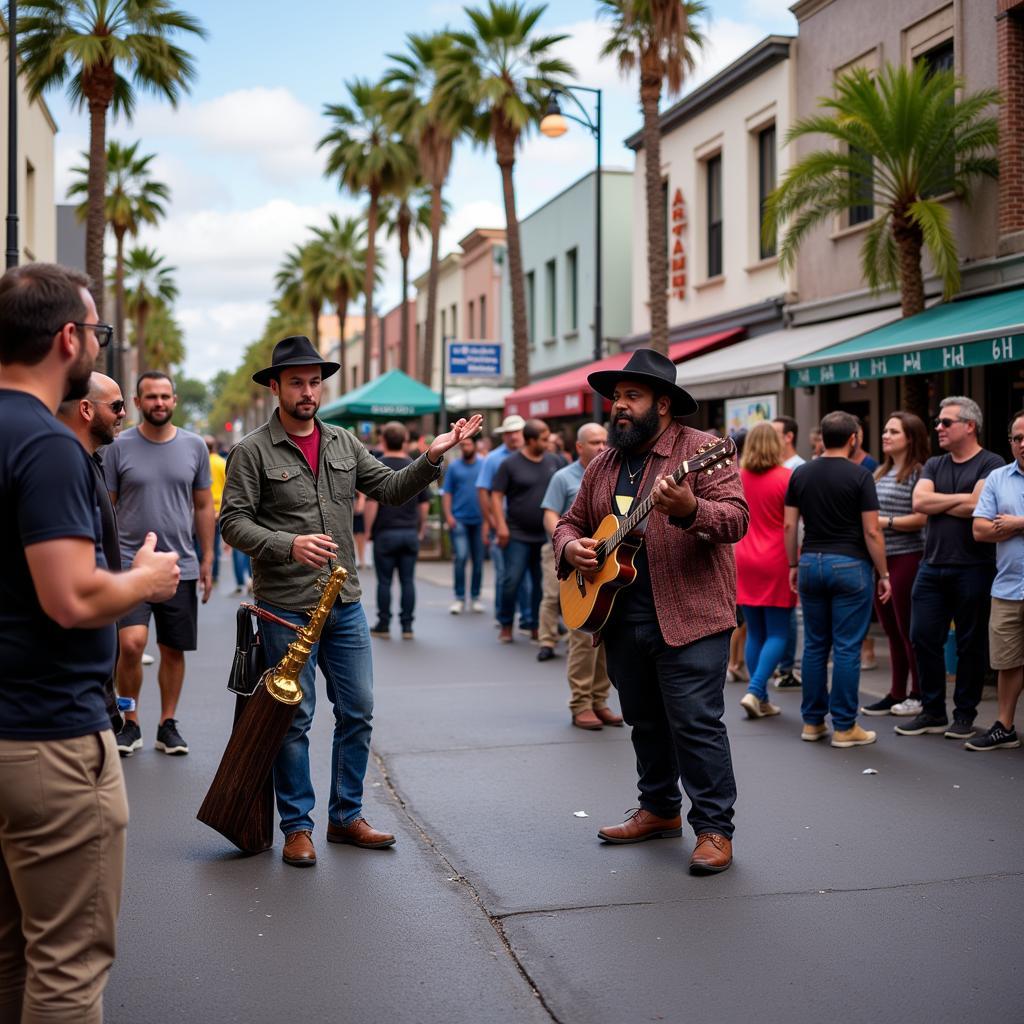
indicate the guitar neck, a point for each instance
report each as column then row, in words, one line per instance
column 639, row 514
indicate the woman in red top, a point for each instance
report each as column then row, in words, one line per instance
column 762, row 570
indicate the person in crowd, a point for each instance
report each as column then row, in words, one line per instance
column 955, row 577
column 295, row 522
column 904, row 451
column 762, row 577
column 63, row 808
column 217, row 471
column 397, row 532
column 999, row 519
column 860, row 455
column 511, row 434
column 158, row 476
column 817, row 446
column 461, row 512
column 586, row 666
column 789, row 430
column 521, row 480
column 737, row 670
column 837, row 502
column 667, row 644
column 359, row 523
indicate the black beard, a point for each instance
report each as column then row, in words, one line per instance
column 103, row 434
column 302, row 414
column 78, row 379
column 154, row 418
column 639, row 431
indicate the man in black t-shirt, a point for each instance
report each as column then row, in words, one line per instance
column 955, row 576
column 63, row 811
column 836, row 499
column 522, row 480
column 396, row 532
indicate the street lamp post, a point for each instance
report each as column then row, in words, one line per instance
column 12, row 134
column 553, row 126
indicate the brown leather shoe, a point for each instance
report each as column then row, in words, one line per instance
column 586, row 720
column 359, row 833
column 640, row 826
column 713, row 853
column 299, row 850
column 608, row 717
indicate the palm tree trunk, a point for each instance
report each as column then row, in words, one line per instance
column 341, row 305
column 314, row 313
column 118, row 342
column 426, row 366
column 657, row 248
column 909, row 243
column 505, row 145
column 141, row 355
column 95, row 222
column 403, row 247
column 371, row 257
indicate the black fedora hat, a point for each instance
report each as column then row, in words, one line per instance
column 294, row 351
column 648, row 367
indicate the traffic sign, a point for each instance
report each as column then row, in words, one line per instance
column 474, row 359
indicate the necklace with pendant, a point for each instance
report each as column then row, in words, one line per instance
column 633, row 474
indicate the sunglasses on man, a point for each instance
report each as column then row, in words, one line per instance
column 946, row 422
column 117, row 406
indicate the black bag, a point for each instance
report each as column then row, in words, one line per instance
column 250, row 661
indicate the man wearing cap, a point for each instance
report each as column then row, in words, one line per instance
column 288, row 503
column 667, row 636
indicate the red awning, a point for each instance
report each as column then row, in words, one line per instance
column 568, row 394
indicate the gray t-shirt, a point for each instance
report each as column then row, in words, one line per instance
column 154, row 485
column 563, row 488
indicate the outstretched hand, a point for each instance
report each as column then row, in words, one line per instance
column 460, row 430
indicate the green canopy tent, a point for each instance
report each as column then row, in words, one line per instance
column 393, row 395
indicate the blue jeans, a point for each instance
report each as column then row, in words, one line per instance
column 521, row 559
column 499, row 558
column 242, row 564
column 959, row 593
column 344, row 656
column 767, row 633
column 672, row 697
column 788, row 659
column 836, row 592
column 396, row 549
column 468, row 543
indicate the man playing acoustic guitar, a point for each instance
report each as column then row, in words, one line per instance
column 667, row 636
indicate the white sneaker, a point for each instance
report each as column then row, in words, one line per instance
column 458, row 607
column 147, row 659
column 478, row 606
column 906, row 707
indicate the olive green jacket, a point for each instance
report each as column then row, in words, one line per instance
column 271, row 497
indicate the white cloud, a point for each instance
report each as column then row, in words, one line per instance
column 775, row 12
column 727, row 40
column 583, row 51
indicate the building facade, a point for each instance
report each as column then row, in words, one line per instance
column 389, row 349
column 447, row 317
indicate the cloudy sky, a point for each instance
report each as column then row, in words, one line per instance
column 240, row 152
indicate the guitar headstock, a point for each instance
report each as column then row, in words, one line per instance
column 712, row 456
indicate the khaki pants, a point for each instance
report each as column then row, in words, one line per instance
column 588, row 677
column 550, row 608
column 63, row 819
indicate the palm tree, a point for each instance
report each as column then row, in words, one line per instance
column 104, row 51
column 661, row 38
column 369, row 156
column 164, row 341
column 148, row 281
column 337, row 267
column 132, row 199
column 432, row 122
column 299, row 294
column 408, row 217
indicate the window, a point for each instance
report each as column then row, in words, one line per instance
column 862, row 194
column 714, row 193
column 549, row 290
column 30, row 210
column 765, row 186
column 940, row 58
column 483, row 316
column 444, row 325
column 530, row 308
column 455, row 320
column 472, row 320
column 572, row 290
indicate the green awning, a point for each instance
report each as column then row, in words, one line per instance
column 393, row 395
column 951, row 336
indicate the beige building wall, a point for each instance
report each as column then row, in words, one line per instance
column 330, row 349
column 449, row 309
column 37, row 212
column 728, row 127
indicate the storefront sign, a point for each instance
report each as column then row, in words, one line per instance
column 1003, row 349
column 474, row 359
column 678, row 250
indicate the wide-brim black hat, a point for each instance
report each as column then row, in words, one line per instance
column 295, row 351
column 648, row 367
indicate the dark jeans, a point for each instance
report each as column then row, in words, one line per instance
column 672, row 697
column 396, row 549
column 521, row 558
column 960, row 593
column 468, row 545
column 835, row 592
column 895, row 616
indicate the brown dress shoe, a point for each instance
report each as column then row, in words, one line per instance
column 608, row 717
column 359, row 833
column 640, row 826
column 713, row 853
column 586, row 720
column 299, row 850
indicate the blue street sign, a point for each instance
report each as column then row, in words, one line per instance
column 474, row 359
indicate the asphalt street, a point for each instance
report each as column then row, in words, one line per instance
column 894, row 896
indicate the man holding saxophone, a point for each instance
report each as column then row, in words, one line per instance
column 288, row 503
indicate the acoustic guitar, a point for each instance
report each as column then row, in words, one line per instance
column 587, row 599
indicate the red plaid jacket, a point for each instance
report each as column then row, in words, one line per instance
column 693, row 571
